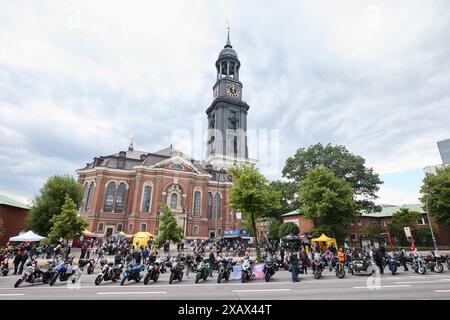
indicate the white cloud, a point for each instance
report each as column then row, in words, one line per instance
column 77, row 77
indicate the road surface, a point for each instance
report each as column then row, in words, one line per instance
column 404, row 285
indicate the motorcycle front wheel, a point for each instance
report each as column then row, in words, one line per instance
column 439, row 268
column 123, row 281
column 18, row 282
column 197, row 277
column 98, row 280
column 267, row 276
column 171, row 278
column 147, row 279
column 422, row 270
column 340, row 273
column 219, row 277
column 318, row 274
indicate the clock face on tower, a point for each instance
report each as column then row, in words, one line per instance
column 233, row 90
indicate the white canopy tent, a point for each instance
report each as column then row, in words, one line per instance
column 29, row 236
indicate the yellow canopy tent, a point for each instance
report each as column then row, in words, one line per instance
column 140, row 239
column 324, row 241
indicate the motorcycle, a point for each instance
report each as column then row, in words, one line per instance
column 65, row 271
column 90, row 263
column 5, row 265
column 393, row 263
column 166, row 264
column 33, row 274
column 225, row 270
column 152, row 272
column 269, row 268
column 202, row 270
column 365, row 264
column 134, row 271
column 176, row 271
column 434, row 263
column 419, row 264
column 317, row 266
column 246, row 273
column 109, row 272
column 340, row 269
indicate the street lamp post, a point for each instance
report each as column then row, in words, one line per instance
column 428, row 217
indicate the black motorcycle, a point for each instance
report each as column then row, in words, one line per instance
column 419, row 264
column 109, row 272
column 225, row 270
column 393, row 263
column 269, row 268
column 153, row 271
column 317, row 266
column 434, row 263
column 33, row 274
column 176, row 271
column 90, row 263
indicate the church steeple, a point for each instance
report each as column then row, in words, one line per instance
column 227, row 115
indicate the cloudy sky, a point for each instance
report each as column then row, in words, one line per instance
column 78, row 77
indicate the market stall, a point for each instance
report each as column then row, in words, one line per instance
column 141, row 239
column 28, row 236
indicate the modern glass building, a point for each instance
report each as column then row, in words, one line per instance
column 444, row 150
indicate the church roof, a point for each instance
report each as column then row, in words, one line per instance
column 228, row 50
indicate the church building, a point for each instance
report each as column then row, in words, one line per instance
column 124, row 191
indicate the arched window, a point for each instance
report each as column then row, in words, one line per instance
column 173, row 201
column 89, row 196
column 209, row 208
column 85, row 190
column 109, row 198
column 146, row 199
column 217, row 203
column 120, row 198
column 197, row 197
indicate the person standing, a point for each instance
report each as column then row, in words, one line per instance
column 212, row 260
column 23, row 260
column 304, row 260
column 402, row 258
column 17, row 260
column 293, row 260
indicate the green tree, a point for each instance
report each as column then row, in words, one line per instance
column 68, row 224
column 274, row 229
column 168, row 227
column 288, row 198
column 343, row 164
column 372, row 230
column 50, row 201
column 287, row 228
column 436, row 189
column 327, row 200
column 252, row 196
column 407, row 218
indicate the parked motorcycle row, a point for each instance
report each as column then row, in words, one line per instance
column 66, row 270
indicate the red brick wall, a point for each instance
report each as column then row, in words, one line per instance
column 13, row 222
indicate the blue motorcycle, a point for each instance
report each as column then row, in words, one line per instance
column 134, row 272
column 65, row 271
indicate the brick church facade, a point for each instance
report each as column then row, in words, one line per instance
column 124, row 191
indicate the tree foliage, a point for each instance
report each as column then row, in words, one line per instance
column 287, row 228
column 327, row 200
column 436, row 189
column 343, row 164
column 252, row 196
column 274, row 229
column 288, row 198
column 68, row 224
column 168, row 227
column 51, row 200
column 407, row 218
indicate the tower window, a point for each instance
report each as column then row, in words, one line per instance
column 235, row 146
column 173, row 201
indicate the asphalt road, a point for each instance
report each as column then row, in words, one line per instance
column 404, row 285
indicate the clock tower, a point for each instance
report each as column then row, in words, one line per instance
column 227, row 115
